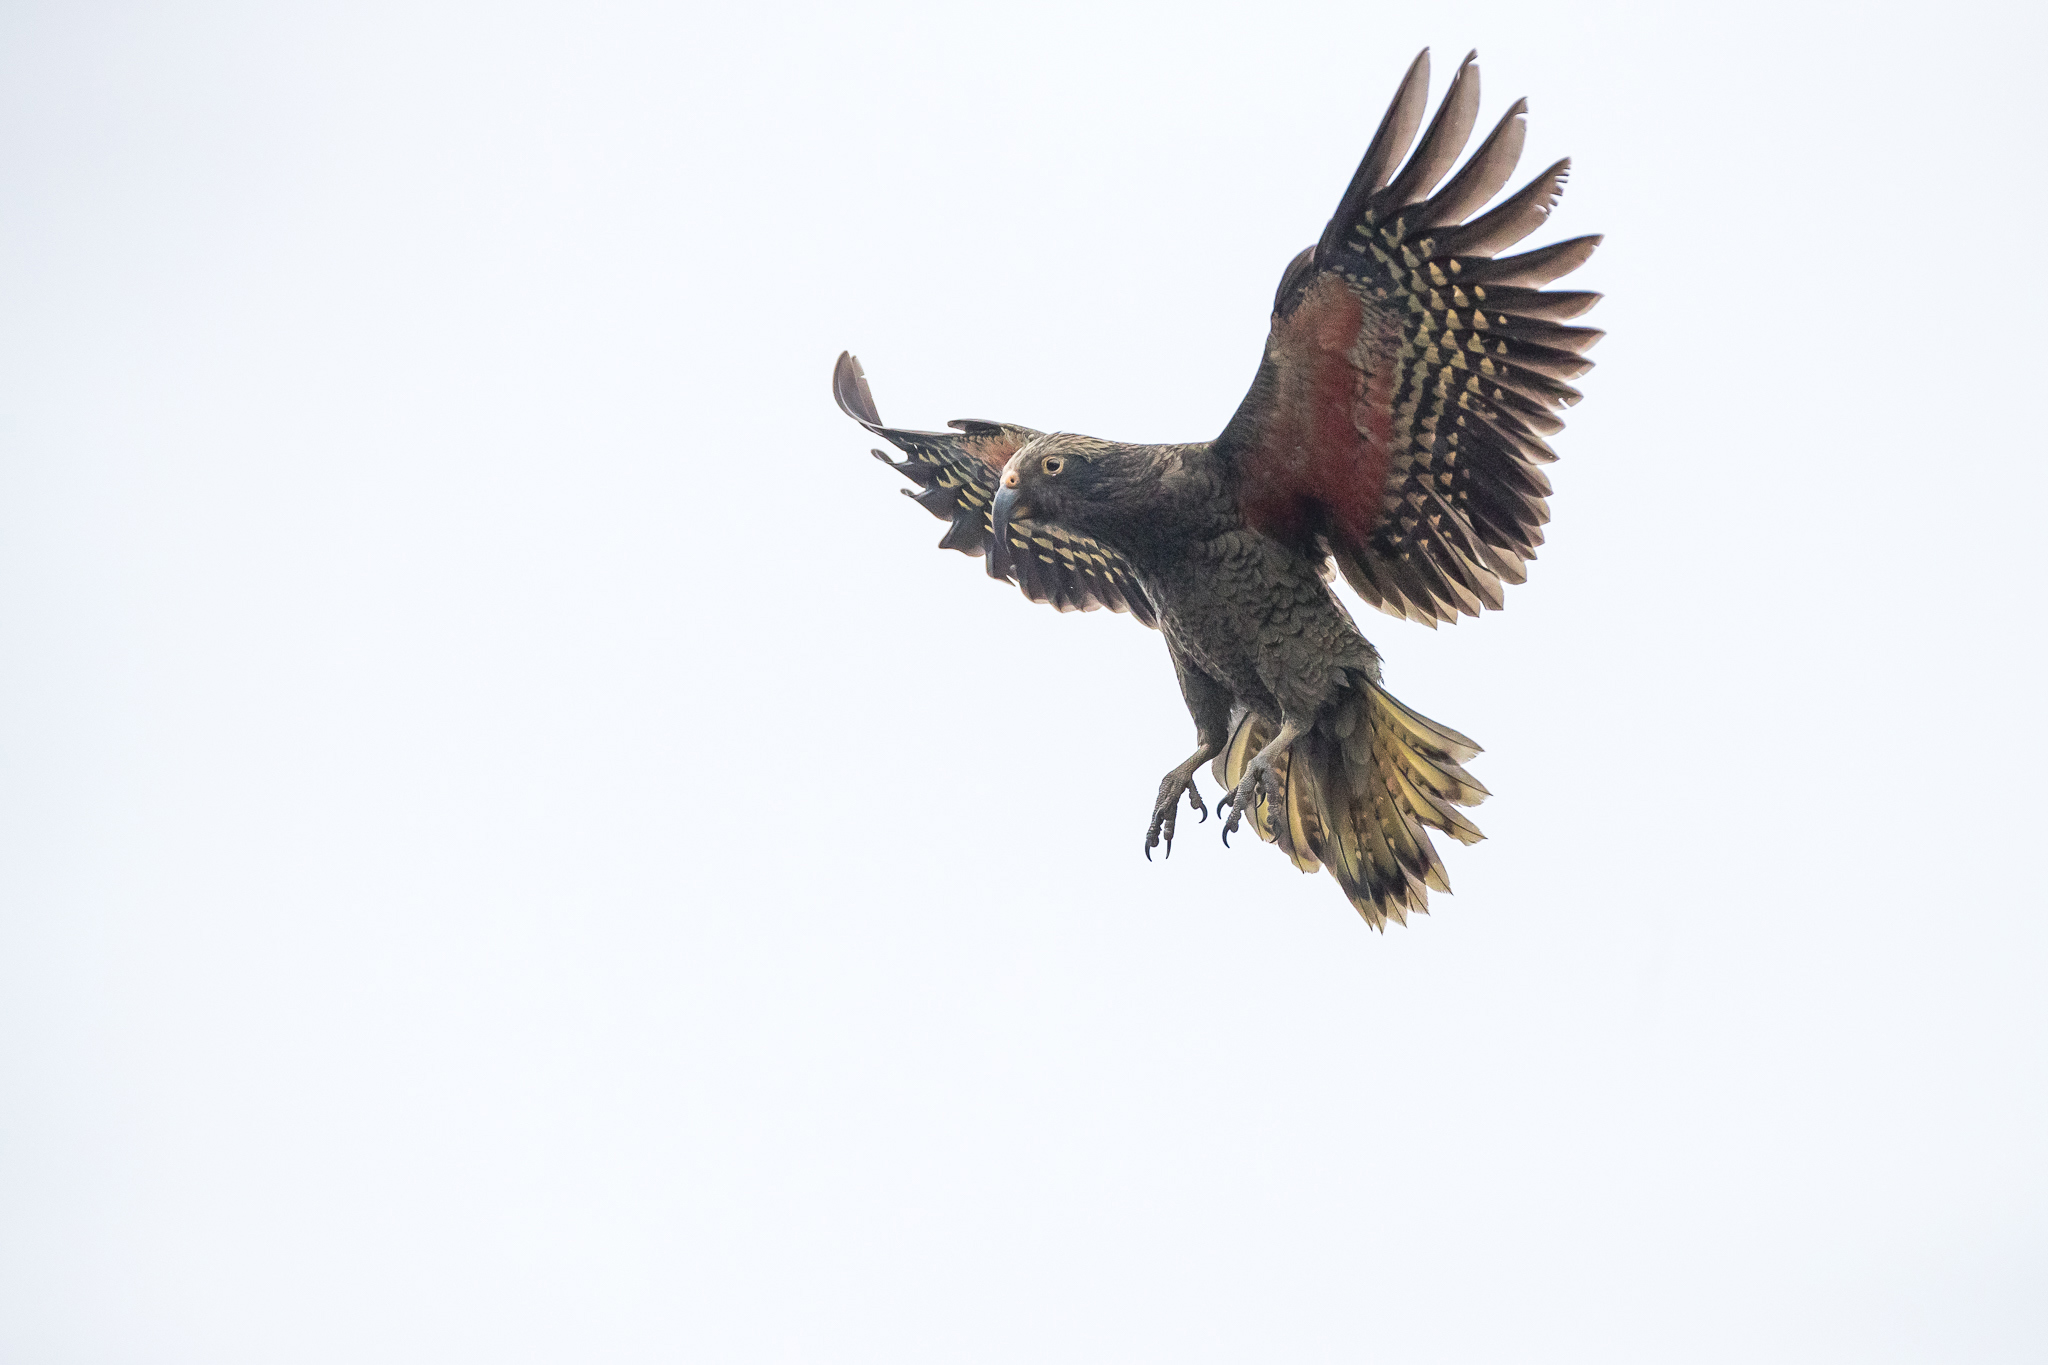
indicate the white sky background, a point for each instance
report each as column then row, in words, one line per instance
column 516, row 848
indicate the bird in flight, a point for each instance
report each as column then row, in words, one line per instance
column 1395, row 433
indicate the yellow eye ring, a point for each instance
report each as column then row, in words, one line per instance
column 1053, row 464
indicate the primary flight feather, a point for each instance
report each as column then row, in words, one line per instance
column 1395, row 431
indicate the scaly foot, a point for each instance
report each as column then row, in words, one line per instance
column 1167, row 806
column 1259, row 779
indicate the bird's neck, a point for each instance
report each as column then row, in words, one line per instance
column 1169, row 498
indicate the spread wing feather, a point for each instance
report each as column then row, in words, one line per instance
column 955, row 473
column 1411, row 374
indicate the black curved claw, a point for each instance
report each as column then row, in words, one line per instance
column 1237, row 812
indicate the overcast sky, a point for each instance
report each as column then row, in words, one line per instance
column 515, row 847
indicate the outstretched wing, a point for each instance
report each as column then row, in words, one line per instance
column 956, row 472
column 1410, row 377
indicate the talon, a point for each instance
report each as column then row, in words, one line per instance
column 1162, row 826
column 1276, row 805
column 1244, row 797
column 1167, row 808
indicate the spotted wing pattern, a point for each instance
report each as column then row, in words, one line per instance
column 955, row 473
column 1411, row 375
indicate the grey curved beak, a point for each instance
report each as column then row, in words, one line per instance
column 1009, row 503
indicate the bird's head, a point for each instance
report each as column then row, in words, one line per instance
column 1057, row 479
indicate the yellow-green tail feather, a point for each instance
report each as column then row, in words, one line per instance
column 1360, row 793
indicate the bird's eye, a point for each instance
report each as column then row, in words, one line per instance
column 1053, row 464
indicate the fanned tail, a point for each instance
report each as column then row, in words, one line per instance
column 1360, row 793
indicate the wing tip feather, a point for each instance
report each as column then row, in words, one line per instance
column 850, row 391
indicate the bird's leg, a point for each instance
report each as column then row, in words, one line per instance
column 1181, row 779
column 1259, row 778
column 1209, row 703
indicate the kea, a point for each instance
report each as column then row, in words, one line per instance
column 1395, row 433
